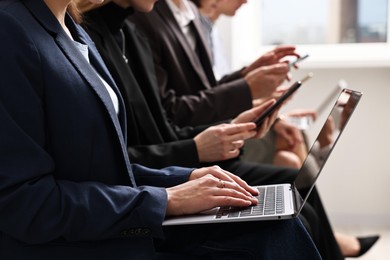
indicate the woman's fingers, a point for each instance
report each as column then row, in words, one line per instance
column 205, row 193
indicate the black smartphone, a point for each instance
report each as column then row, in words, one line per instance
column 278, row 103
column 280, row 100
column 291, row 64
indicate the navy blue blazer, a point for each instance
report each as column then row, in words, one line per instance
column 67, row 188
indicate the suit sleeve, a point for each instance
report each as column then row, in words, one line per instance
column 236, row 75
column 180, row 153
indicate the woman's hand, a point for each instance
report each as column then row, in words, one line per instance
column 222, row 142
column 272, row 57
column 254, row 113
column 265, row 80
column 208, row 188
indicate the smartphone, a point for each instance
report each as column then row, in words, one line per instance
column 307, row 77
column 280, row 101
column 292, row 64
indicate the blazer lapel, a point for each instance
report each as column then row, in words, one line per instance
column 144, row 59
column 50, row 23
column 163, row 9
column 90, row 75
column 100, row 67
column 206, row 57
column 199, row 28
column 135, row 97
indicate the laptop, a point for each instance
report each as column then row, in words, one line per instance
column 281, row 201
column 305, row 122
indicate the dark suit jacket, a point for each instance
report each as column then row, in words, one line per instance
column 152, row 140
column 190, row 93
column 67, row 188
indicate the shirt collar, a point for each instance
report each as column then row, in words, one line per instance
column 183, row 14
column 207, row 23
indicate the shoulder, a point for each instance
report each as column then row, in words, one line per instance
column 15, row 22
column 14, row 30
column 12, row 14
column 148, row 26
column 10, row 5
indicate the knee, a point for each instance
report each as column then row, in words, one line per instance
column 287, row 159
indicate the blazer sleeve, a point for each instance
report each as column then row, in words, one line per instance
column 166, row 177
column 236, row 75
column 179, row 153
column 221, row 102
column 190, row 132
column 38, row 203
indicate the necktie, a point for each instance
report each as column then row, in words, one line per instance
column 202, row 54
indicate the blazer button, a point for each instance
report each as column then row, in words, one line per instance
column 127, row 232
column 138, row 232
column 146, row 231
column 124, row 232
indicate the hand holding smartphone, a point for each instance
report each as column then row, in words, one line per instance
column 292, row 64
column 280, row 101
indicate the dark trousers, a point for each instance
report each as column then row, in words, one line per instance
column 320, row 228
column 286, row 239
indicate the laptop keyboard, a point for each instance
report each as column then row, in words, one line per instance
column 270, row 202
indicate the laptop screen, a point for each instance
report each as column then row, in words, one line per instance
column 341, row 84
column 326, row 140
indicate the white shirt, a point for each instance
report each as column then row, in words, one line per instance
column 84, row 51
column 184, row 15
column 220, row 65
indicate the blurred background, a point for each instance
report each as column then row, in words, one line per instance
column 348, row 40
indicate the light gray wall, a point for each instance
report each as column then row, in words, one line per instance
column 355, row 181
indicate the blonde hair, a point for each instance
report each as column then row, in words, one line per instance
column 74, row 12
column 85, row 5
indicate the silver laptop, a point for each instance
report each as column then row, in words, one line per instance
column 305, row 122
column 282, row 201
